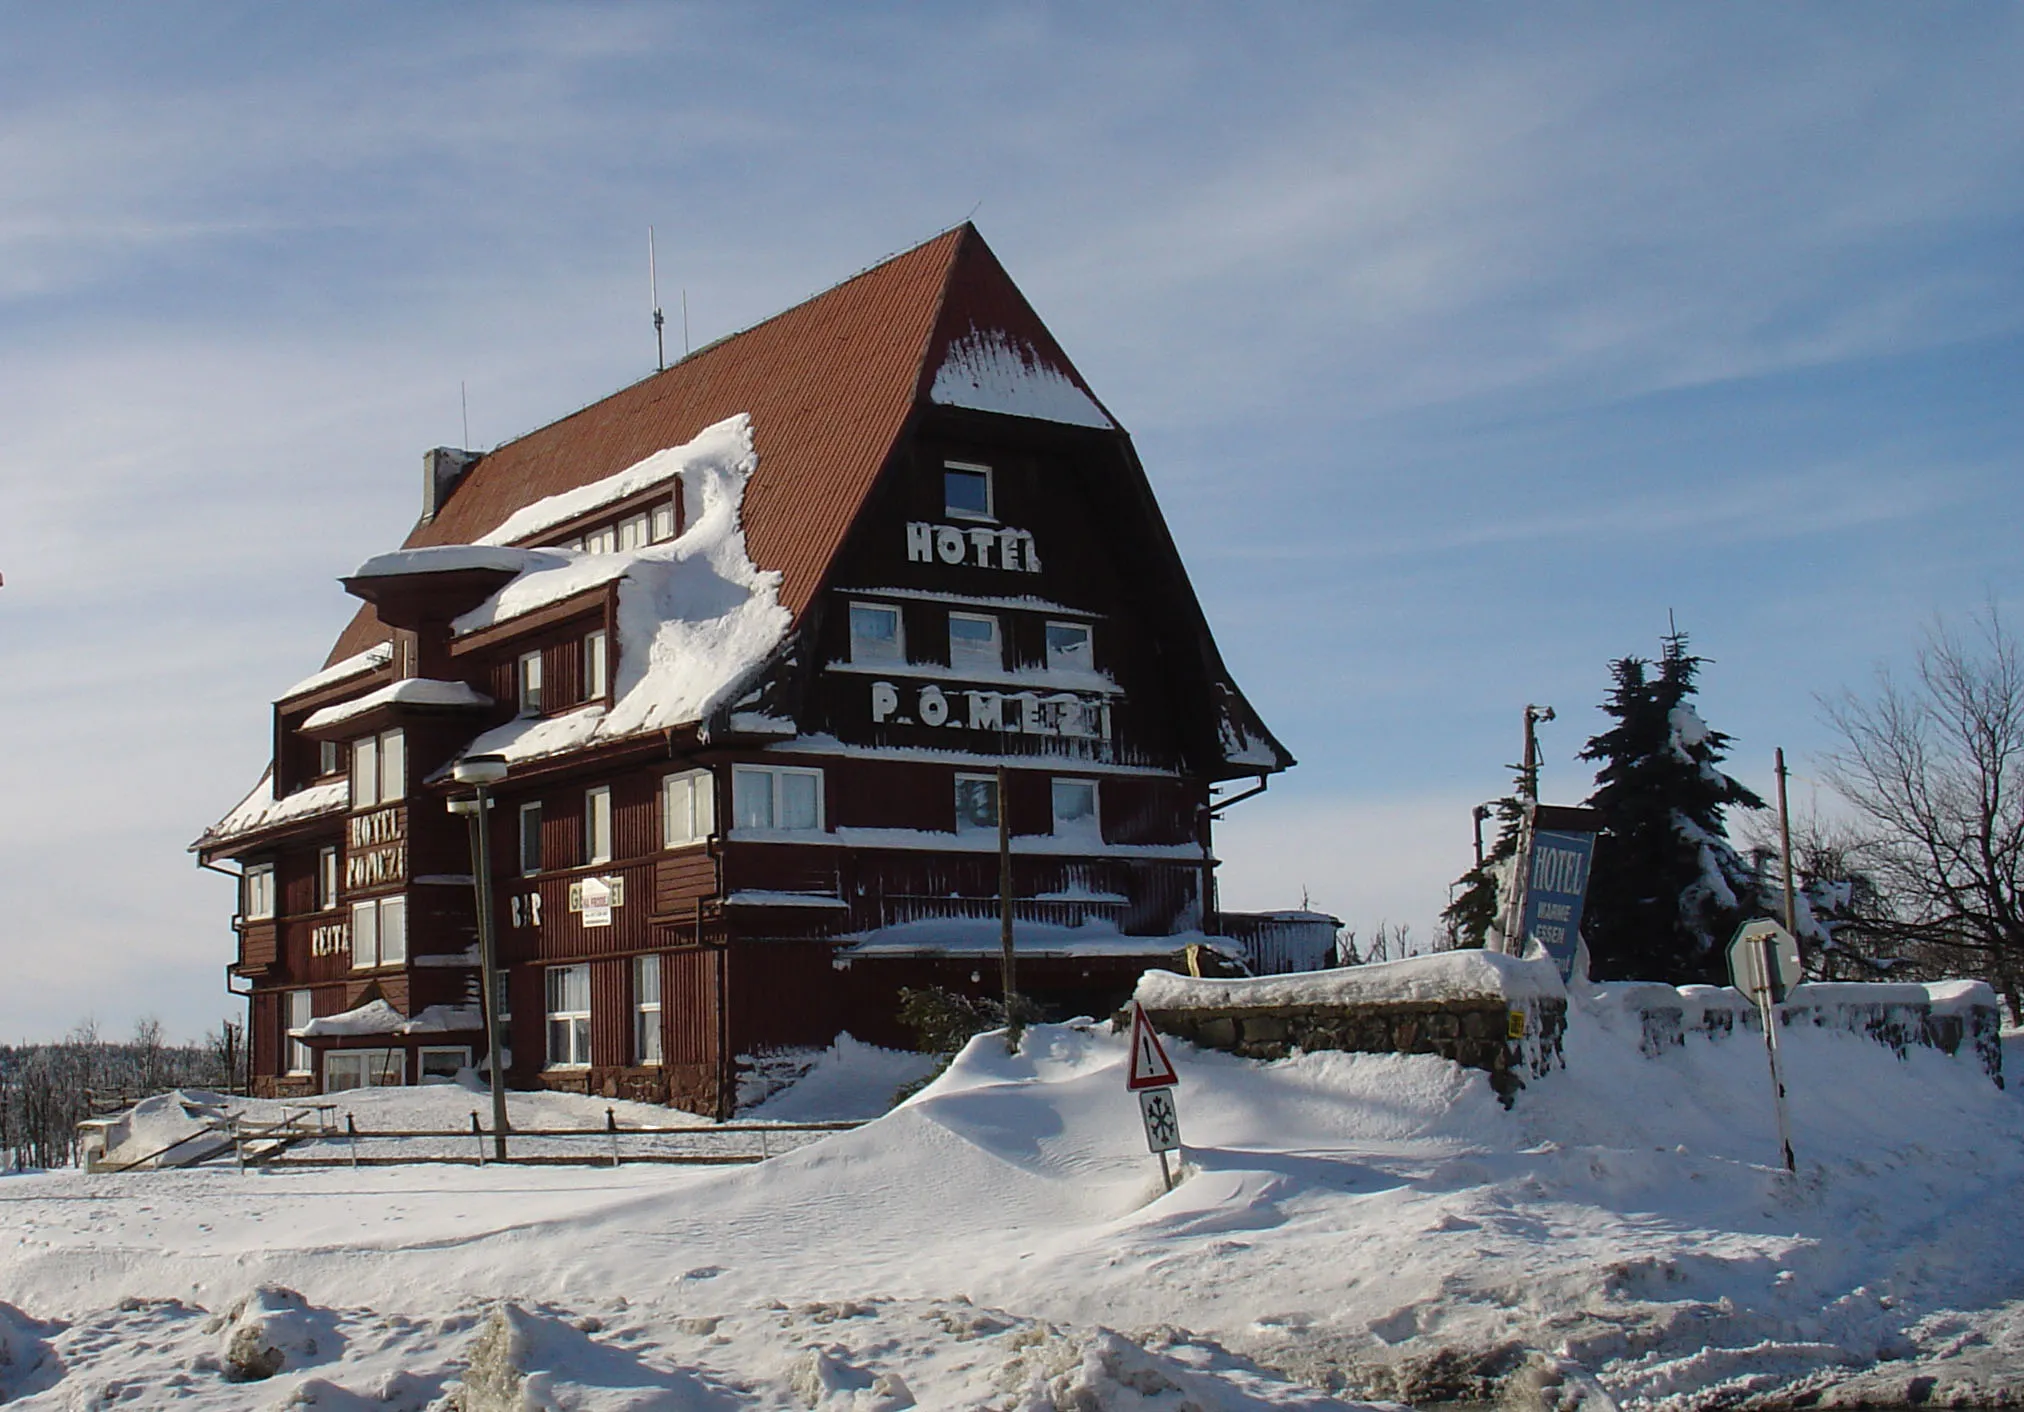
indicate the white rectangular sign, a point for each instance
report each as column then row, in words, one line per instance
column 1162, row 1119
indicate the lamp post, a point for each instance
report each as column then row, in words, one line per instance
column 481, row 772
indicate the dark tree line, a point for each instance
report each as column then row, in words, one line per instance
column 46, row 1090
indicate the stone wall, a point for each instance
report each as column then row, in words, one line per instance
column 1506, row 1039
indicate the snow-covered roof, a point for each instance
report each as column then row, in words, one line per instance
column 261, row 810
column 413, row 691
column 990, row 371
column 1445, row 975
column 378, row 1017
column 696, row 617
column 358, row 664
column 445, row 559
column 658, row 469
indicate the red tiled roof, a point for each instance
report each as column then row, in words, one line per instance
column 829, row 385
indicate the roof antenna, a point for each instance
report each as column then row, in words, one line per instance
column 654, row 289
column 685, row 321
column 464, row 401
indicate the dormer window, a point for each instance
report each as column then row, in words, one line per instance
column 527, row 676
column 601, row 541
column 664, row 521
column 966, row 491
column 633, row 531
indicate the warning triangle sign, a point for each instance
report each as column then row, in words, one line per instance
column 1150, row 1067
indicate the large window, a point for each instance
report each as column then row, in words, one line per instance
column 1075, row 809
column 527, row 679
column 568, row 1016
column 379, row 769
column 976, row 803
column 256, row 892
column 441, row 1063
column 596, row 666
column 597, row 825
column 875, row 634
column 966, row 491
column 688, row 808
column 300, row 1011
column 1068, row 645
column 326, row 878
column 646, row 1009
column 364, row 1068
column 774, row 797
column 379, row 932
column 973, row 642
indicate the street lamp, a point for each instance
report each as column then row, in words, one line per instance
column 481, row 772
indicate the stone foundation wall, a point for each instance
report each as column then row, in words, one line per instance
column 1507, row 1040
column 1898, row 1025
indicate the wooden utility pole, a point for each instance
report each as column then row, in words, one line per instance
column 1008, row 962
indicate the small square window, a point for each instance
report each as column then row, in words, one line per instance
column 875, row 634
column 257, row 884
column 328, row 761
column 1069, row 647
column 966, row 491
column 633, row 531
column 976, row 803
column 1075, row 807
column 442, row 1063
column 974, row 644
column 664, row 521
column 688, row 808
column 601, row 541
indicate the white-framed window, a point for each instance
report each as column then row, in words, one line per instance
column 364, row 1068
column 596, row 666
column 597, row 824
column 530, row 839
column 441, row 1063
column 527, row 679
column 976, row 803
column 379, row 932
column 777, row 797
column 576, row 544
column 601, row 541
column 301, row 1009
column 688, row 808
column 966, row 491
column 876, row 634
column 326, row 877
column 328, row 760
column 1075, row 809
column 1069, row 645
column 257, row 892
column 974, row 642
column 633, row 531
column 646, row 1009
column 379, row 769
column 664, row 521
column 568, row 1016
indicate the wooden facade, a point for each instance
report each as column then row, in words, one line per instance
column 974, row 576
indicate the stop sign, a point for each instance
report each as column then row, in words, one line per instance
column 1764, row 961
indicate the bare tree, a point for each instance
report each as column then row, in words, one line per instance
column 1934, row 767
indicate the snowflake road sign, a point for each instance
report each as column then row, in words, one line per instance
column 1162, row 1119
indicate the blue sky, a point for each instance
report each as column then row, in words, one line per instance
column 1462, row 344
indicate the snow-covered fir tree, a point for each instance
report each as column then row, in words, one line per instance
column 1667, row 890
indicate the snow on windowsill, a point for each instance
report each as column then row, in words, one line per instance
column 1041, row 678
column 823, row 743
column 973, row 841
column 412, row 691
column 760, row 897
column 979, row 936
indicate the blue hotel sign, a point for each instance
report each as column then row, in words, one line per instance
column 1554, row 890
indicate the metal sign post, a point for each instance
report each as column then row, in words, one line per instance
column 1151, row 1076
column 1764, row 965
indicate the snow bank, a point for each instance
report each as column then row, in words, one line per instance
column 378, row 1017
column 1443, row 976
column 696, row 617
column 989, row 372
column 166, row 1130
column 412, row 691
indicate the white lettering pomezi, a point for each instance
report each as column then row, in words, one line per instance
column 1061, row 713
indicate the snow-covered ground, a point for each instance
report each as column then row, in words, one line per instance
column 1346, row 1225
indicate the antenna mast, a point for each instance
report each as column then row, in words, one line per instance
column 654, row 290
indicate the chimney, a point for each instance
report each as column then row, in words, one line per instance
column 442, row 469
